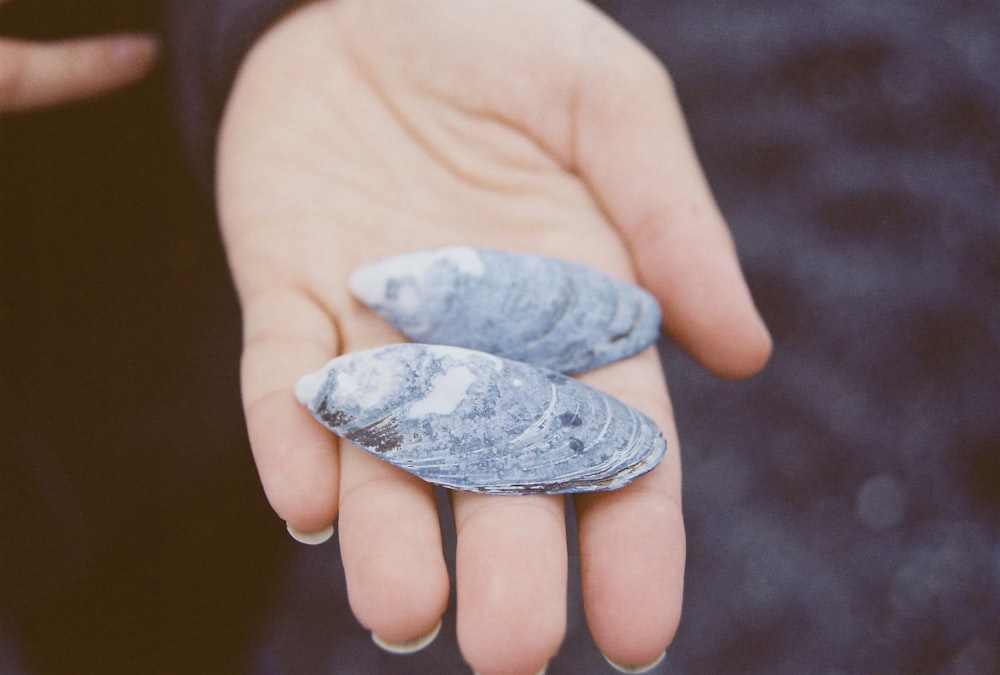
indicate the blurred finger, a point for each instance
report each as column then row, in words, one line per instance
column 511, row 569
column 33, row 74
column 632, row 540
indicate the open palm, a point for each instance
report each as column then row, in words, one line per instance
column 359, row 129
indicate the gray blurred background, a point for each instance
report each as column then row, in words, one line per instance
column 843, row 508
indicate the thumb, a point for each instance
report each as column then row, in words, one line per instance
column 634, row 150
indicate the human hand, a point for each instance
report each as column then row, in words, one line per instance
column 358, row 129
column 34, row 75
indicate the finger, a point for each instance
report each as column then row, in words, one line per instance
column 286, row 335
column 390, row 542
column 511, row 568
column 33, row 75
column 632, row 540
column 633, row 148
column 390, row 536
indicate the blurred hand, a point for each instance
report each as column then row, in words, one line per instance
column 34, row 75
column 364, row 128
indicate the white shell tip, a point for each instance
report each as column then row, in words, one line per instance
column 368, row 284
column 309, row 386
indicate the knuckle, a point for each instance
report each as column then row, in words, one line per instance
column 643, row 73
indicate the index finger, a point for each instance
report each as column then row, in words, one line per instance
column 33, row 75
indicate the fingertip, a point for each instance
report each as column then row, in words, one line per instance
column 390, row 545
column 412, row 623
column 755, row 355
column 133, row 54
column 686, row 257
column 632, row 568
column 297, row 462
column 734, row 352
column 397, row 604
column 308, row 512
column 511, row 579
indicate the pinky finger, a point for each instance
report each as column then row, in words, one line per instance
column 34, row 75
column 631, row 540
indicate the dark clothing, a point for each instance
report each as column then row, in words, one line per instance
column 207, row 42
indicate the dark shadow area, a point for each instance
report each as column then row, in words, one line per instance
column 134, row 537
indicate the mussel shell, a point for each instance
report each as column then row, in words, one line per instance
column 471, row 421
column 540, row 310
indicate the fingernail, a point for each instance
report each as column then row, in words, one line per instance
column 633, row 670
column 407, row 646
column 540, row 672
column 311, row 538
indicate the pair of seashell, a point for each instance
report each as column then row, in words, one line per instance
column 480, row 402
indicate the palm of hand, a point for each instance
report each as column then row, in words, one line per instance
column 363, row 129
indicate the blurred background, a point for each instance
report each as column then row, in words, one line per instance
column 843, row 508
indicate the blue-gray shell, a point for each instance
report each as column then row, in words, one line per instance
column 471, row 421
column 539, row 310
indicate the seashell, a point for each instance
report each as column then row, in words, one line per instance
column 535, row 309
column 472, row 421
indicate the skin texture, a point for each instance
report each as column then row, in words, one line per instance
column 359, row 129
column 35, row 75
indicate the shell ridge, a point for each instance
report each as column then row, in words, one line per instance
column 520, row 295
column 526, row 350
column 538, row 425
column 612, row 335
column 585, row 326
column 616, row 342
column 629, row 445
column 570, row 455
